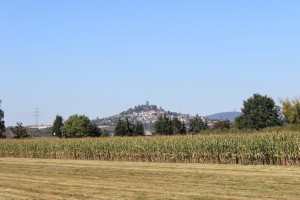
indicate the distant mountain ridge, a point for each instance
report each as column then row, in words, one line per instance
column 224, row 115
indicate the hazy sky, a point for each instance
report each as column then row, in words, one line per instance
column 99, row 58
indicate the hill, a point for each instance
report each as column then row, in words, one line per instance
column 224, row 115
column 140, row 108
column 147, row 114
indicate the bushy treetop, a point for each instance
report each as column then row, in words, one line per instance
column 79, row 126
column 259, row 112
column 291, row 110
column 197, row 124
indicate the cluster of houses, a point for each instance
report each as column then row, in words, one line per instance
column 147, row 114
column 150, row 116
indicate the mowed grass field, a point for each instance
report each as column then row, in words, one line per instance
column 28, row 178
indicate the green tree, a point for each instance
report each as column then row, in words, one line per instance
column 77, row 126
column 291, row 110
column 57, row 124
column 259, row 112
column 94, row 130
column 183, row 129
column 120, row 128
column 176, row 125
column 197, row 124
column 158, row 125
column 105, row 133
column 168, row 125
column 163, row 125
column 222, row 125
column 2, row 123
column 139, row 129
column 20, row 130
column 129, row 126
column 125, row 127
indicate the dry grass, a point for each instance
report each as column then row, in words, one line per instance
column 74, row 179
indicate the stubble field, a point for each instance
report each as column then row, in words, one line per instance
column 27, row 178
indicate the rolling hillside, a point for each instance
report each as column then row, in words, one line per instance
column 224, row 115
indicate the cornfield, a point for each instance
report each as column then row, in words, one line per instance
column 260, row 148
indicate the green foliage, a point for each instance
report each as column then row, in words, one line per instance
column 259, row 112
column 222, row 125
column 120, row 128
column 291, row 110
column 105, row 133
column 167, row 126
column 20, row 130
column 197, row 124
column 138, row 129
column 125, row 127
column 176, row 125
column 2, row 123
column 79, row 126
column 57, row 124
column 183, row 129
column 163, row 126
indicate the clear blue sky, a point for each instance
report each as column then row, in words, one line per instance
column 99, row 58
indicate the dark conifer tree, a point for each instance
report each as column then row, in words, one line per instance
column 20, row 130
column 2, row 123
column 57, row 124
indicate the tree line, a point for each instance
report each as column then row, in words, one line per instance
column 2, row 123
column 258, row 112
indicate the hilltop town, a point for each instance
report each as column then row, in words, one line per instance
column 146, row 113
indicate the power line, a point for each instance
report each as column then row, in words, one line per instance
column 36, row 114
